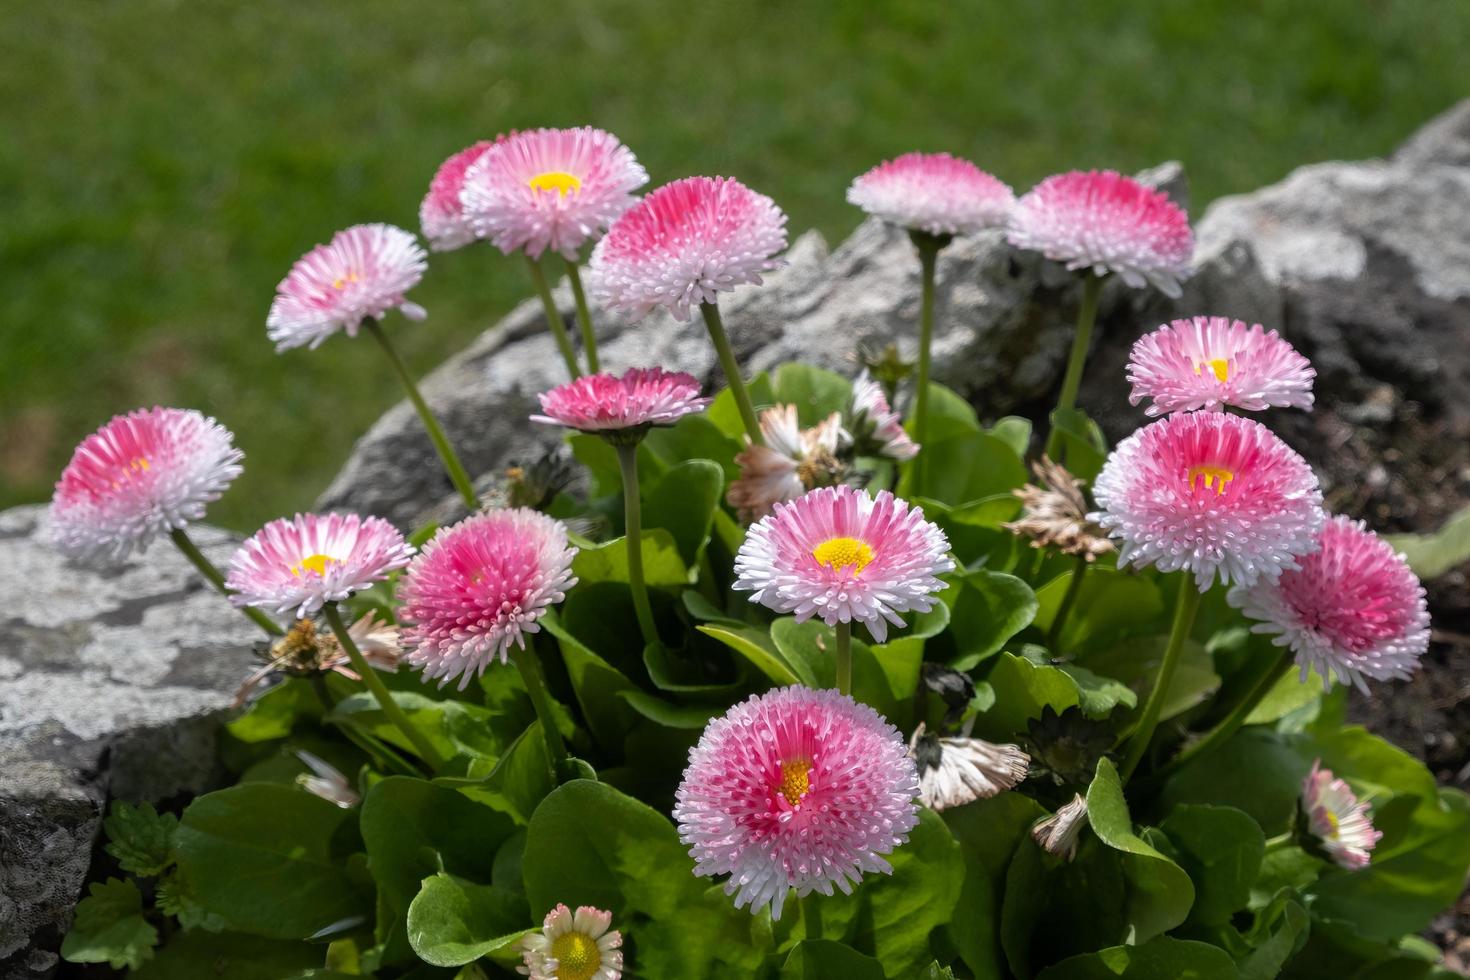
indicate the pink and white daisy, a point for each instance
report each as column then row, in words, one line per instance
column 140, row 475
column 478, row 587
column 934, row 193
column 1352, row 610
column 361, row 274
column 1212, row 361
column 795, row 788
column 791, row 462
column 605, row 403
column 876, row 428
column 841, row 555
column 1103, row 221
column 295, row 566
column 1341, row 823
column 1210, row 493
column 571, row 946
column 441, row 215
column 684, row 244
column 551, row 189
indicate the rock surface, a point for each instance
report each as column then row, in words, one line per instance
column 111, row 687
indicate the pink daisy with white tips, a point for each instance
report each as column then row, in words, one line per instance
column 478, row 587
column 441, row 215
column 1353, row 610
column 1341, row 823
column 294, row 566
column 684, row 244
column 1211, row 362
column 843, row 556
column 934, row 193
column 1212, row 494
column 1103, row 221
column 361, row 274
column 553, row 189
column 876, row 427
column 606, row 403
column 573, row 946
column 141, row 475
column 796, row 788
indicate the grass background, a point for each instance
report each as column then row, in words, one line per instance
column 163, row 162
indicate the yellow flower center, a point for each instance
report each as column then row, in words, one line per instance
column 1333, row 822
column 555, row 180
column 577, row 956
column 1214, row 477
column 1219, row 365
column 841, row 553
column 795, row 780
column 340, row 283
column 313, row 563
column 138, row 464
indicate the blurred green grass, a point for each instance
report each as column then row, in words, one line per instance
column 164, row 162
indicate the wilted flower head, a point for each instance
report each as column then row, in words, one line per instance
column 605, row 404
column 1352, row 610
column 843, row 556
column 1341, row 823
column 876, row 428
column 361, row 274
column 1210, row 493
column 795, row 788
column 478, row 587
column 1059, row 833
column 933, row 193
column 308, row 650
column 441, row 215
column 573, row 947
column 791, row 462
column 1103, row 221
column 140, row 475
column 551, row 189
column 1211, row 362
column 302, row 563
column 326, row 781
column 956, row 771
column 1054, row 514
column 684, row 244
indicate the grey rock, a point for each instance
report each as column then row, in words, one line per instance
column 112, row 685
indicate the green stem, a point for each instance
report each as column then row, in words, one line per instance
column 584, row 316
column 1069, row 598
column 191, row 551
column 457, row 474
column 928, row 259
column 1072, row 380
column 1184, row 613
column 732, row 371
column 525, row 660
column 1218, row 735
column 553, row 319
column 633, row 538
column 374, row 683
column 844, row 658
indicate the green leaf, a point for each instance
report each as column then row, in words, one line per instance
column 885, row 677
column 1015, row 432
column 949, row 415
column 681, row 673
column 1431, row 555
column 1257, row 771
column 608, row 561
column 239, row 845
column 1287, row 695
column 229, row 956
column 684, row 504
column 692, row 437
column 452, row 921
column 823, row 959
column 1110, row 606
column 595, row 683
column 1022, row 690
column 1279, row 932
column 276, row 712
column 1159, row 959
column 756, row 646
column 1220, row 848
column 963, row 468
column 816, row 392
column 989, row 831
column 453, row 727
column 986, row 611
column 1099, row 695
column 1083, row 446
column 109, row 927
column 1136, row 662
column 140, row 838
column 659, row 711
column 519, row 781
column 174, row 897
column 725, row 414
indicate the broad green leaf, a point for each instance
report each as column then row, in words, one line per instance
column 520, row 780
column 963, row 468
column 453, row 727
column 1015, row 432
column 692, row 437
column 1083, row 446
column 659, row 711
column 823, row 959
column 885, row 677
column 276, row 712
column 595, row 683
column 1088, row 893
column 756, row 646
column 1257, row 771
column 1099, row 695
column 1111, row 605
column 140, row 838
column 608, row 561
column 989, row 832
column 109, row 927
column 194, row 955
column 986, row 610
column 174, row 896
column 725, row 414
column 1220, row 848
column 684, row 503
column 949, row 415
column 1287, row 695
column 1022, row 690
column 453, row 921
column 1278, row 933
column 689, row 675
column 816, row 392
column 1431, row 555
column 1161, row 958
column 1136, row 661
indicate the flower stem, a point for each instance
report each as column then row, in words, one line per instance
column 191, row 551
column 928, row 259
column 447, row 455
column 732, row 371
column 1069, row 599
column 374, row 683
column 584, row 316
column 1218, row 735
column 1072, row 380
column 525, row 660
column 844, row 658
column 1184, row 613
column 633, row 538
column 553, row 318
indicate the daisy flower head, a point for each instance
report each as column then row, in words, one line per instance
column 479, row 586
column 1054, row 514
column 361, row 274
column 1212, row 361
column 551, row 189
column 1212, row 494
column 795, row 788
column 140, row 475
column 934, row 193
column 294, row 566
column 1060, row 833
column 442, row 216
column 956, row 771
column 605, row 404
column 844, row 556
column 573, row 946
column 792, row 461
column 1353, row 610
column 1103, row 221
column 684, row 244
column 875, row 425
column 1341, row 823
